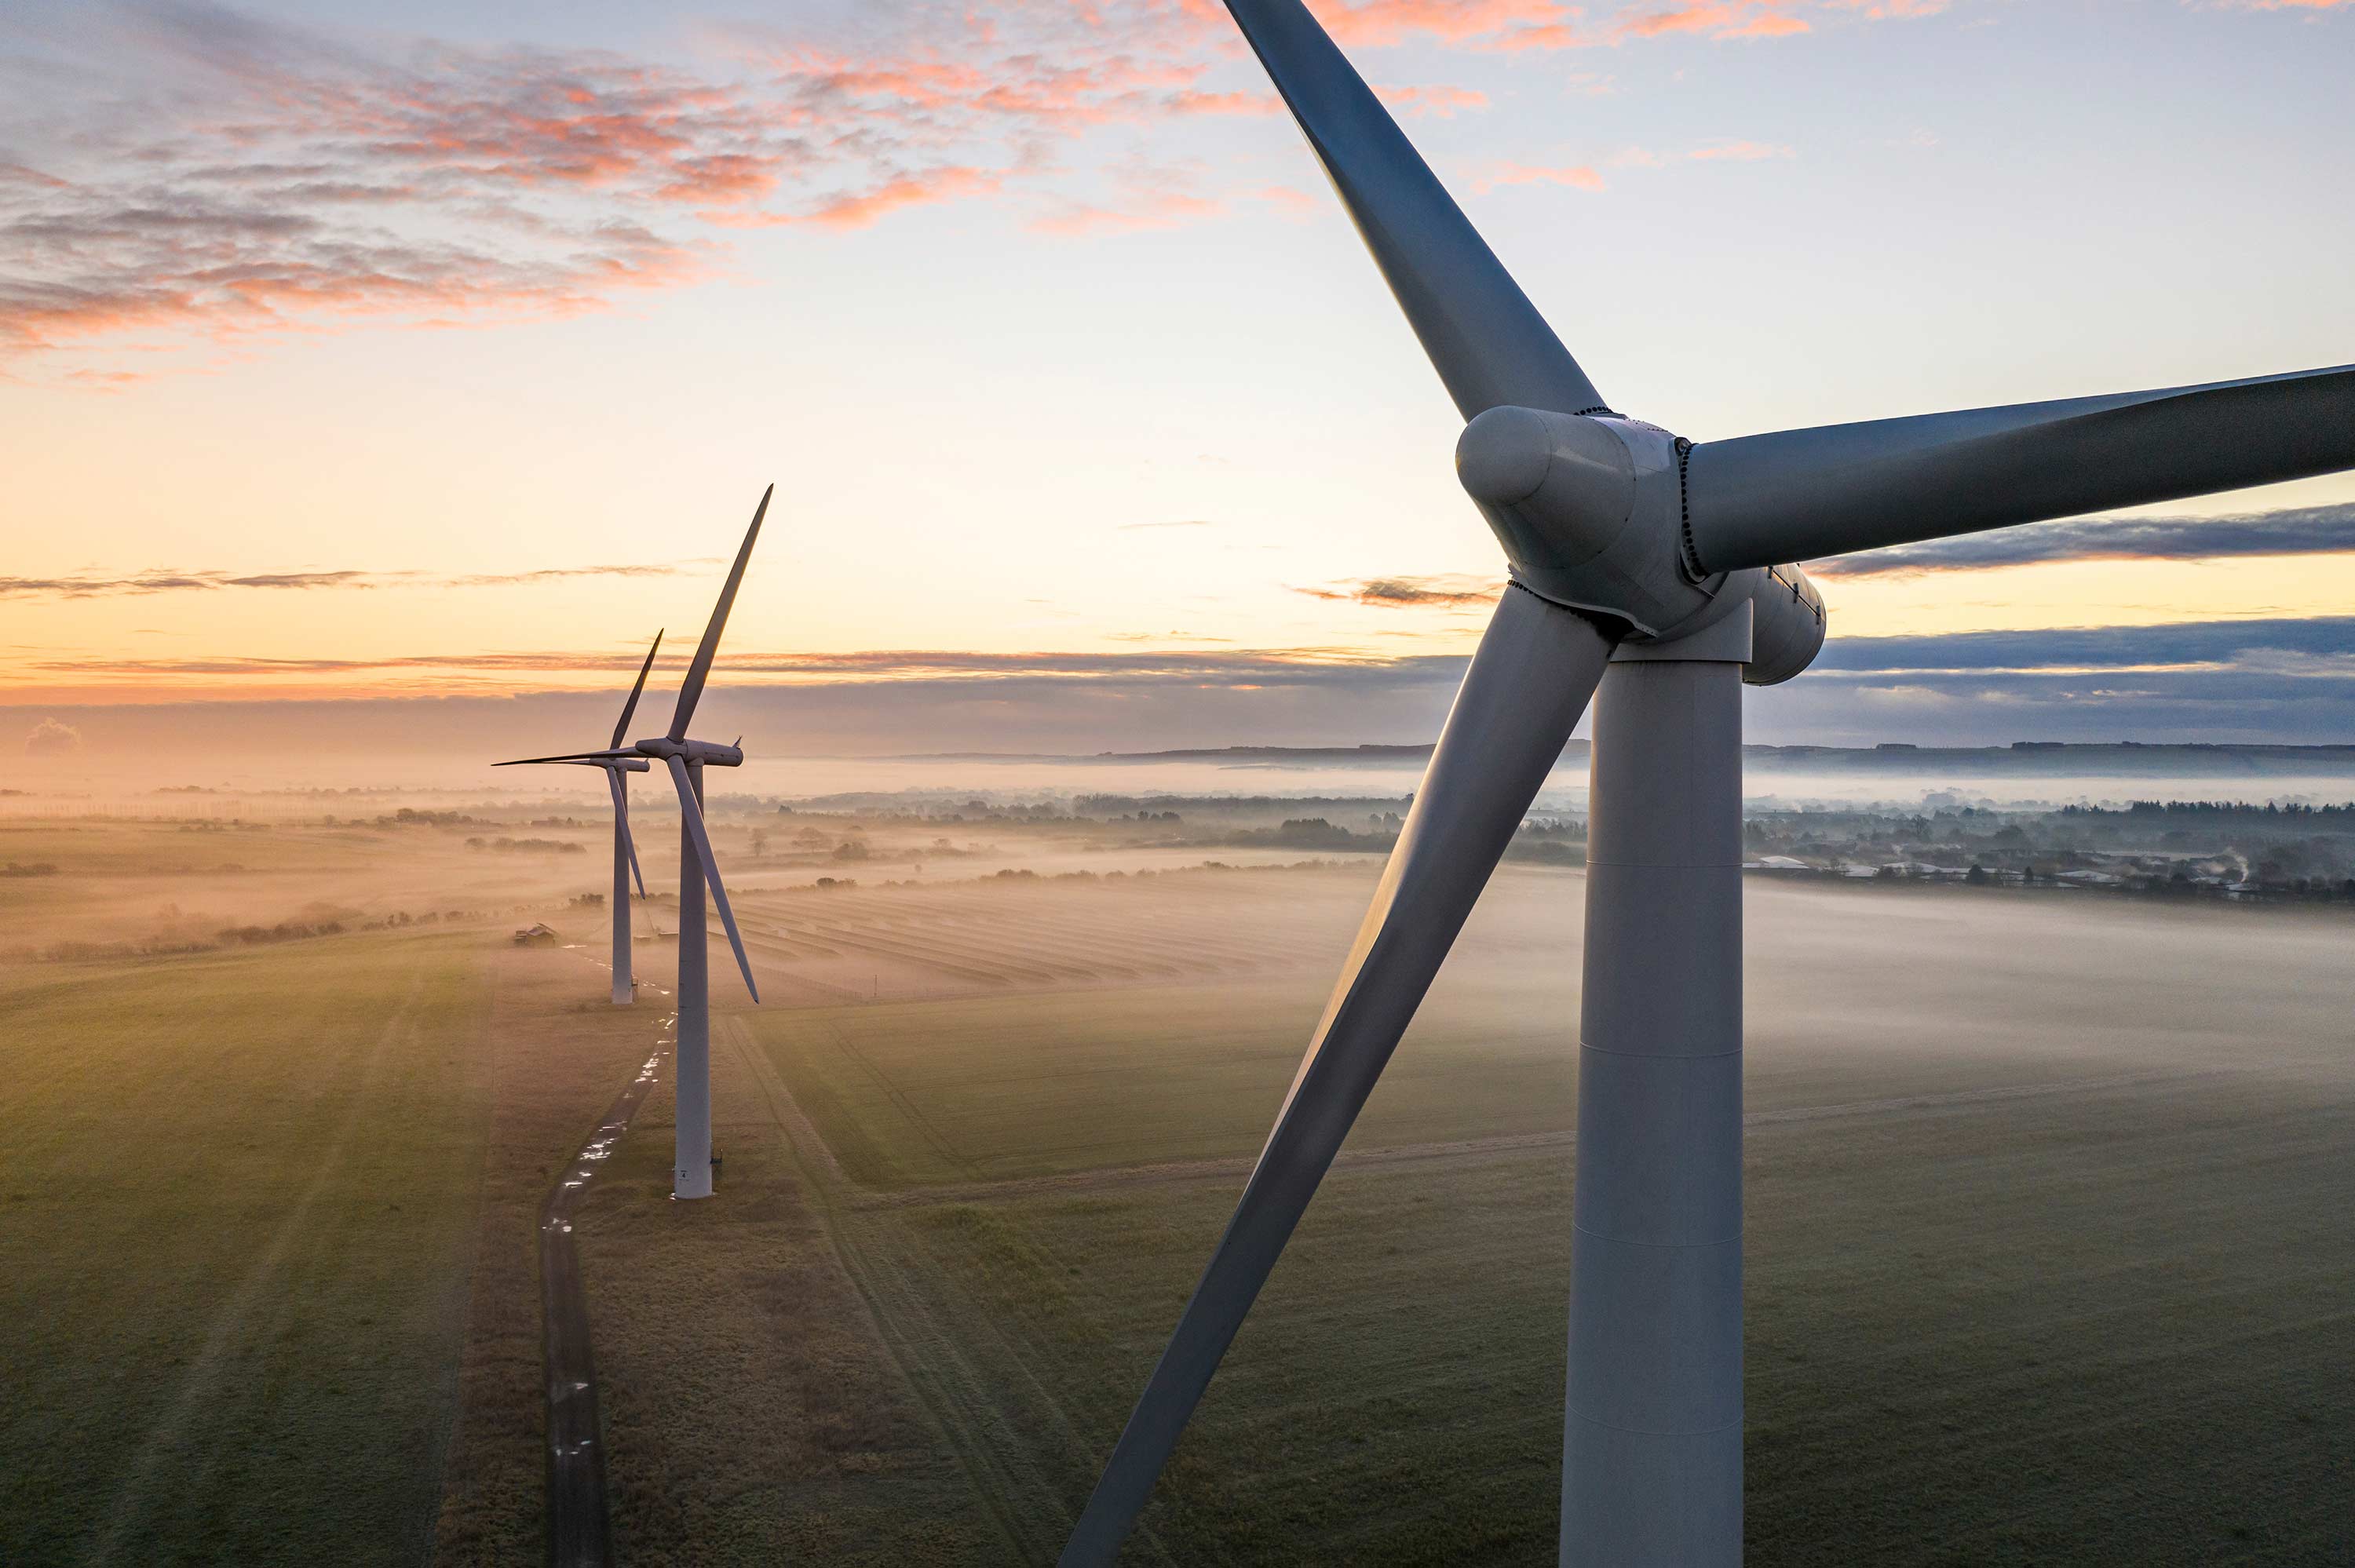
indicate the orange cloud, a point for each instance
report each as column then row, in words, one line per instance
column 1439, row 101
column 860, row 209
column 1769, row 25
column 17, row 174
column 206, row 580
column 719, row 179
column 1550, row 25
column 1719, row 19
column 221, row 274
column 283, row 179
column 292, row 180
column 1189, row 101
column 260, row 677
column 1378, row 24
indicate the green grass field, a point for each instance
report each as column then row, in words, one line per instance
column 239, row 1211
column 1035, row 1084
column 2047, row 1257
column 2002, row 1333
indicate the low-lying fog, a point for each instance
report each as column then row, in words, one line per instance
column 229, row 785
column 943, row 893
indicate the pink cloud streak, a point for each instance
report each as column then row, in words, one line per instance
column 281, row 179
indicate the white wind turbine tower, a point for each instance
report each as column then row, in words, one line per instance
column 1648, row 566
column 686, row 759
column 625, row 853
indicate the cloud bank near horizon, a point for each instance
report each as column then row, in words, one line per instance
column 2276, row 681
column 99, row 585
column 2300, row 531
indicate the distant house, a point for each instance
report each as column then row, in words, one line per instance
column 536, row 936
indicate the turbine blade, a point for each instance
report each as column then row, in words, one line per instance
column 1536, row 668
column 690, row 691
column 1798, row 495
column 622, row 818
column 695, row 830
column 568, row 756
column 622, row 726
column 1488, row 343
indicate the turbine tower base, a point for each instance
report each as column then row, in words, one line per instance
column 1652, row 1435
column 625, row 988
column 691, row 1164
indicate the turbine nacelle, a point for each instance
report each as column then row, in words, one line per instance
column 1591, row 513
column 709, row 754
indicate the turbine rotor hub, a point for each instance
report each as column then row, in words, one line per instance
column 1591, row 512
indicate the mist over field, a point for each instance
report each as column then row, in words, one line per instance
column 2047, row 1099
column 64, row 769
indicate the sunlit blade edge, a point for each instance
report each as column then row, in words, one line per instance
column 622, row 726
column 690, row 690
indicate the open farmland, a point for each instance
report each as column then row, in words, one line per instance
column 2046, row 1259
column 233, row 1269
column 2047, row 1254
column 267, row 1174
column 1004, row 934
column 1978, row 1335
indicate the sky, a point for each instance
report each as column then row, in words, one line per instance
column 363, row 373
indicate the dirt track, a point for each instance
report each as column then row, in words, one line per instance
column 579, row 1534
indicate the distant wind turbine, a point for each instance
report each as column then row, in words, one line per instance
column 625, row 853
column 686, row 759
column 1651, row 567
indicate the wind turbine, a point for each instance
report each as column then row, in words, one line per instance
column 686, row 760
column 625, row 853
column 1651, row 567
